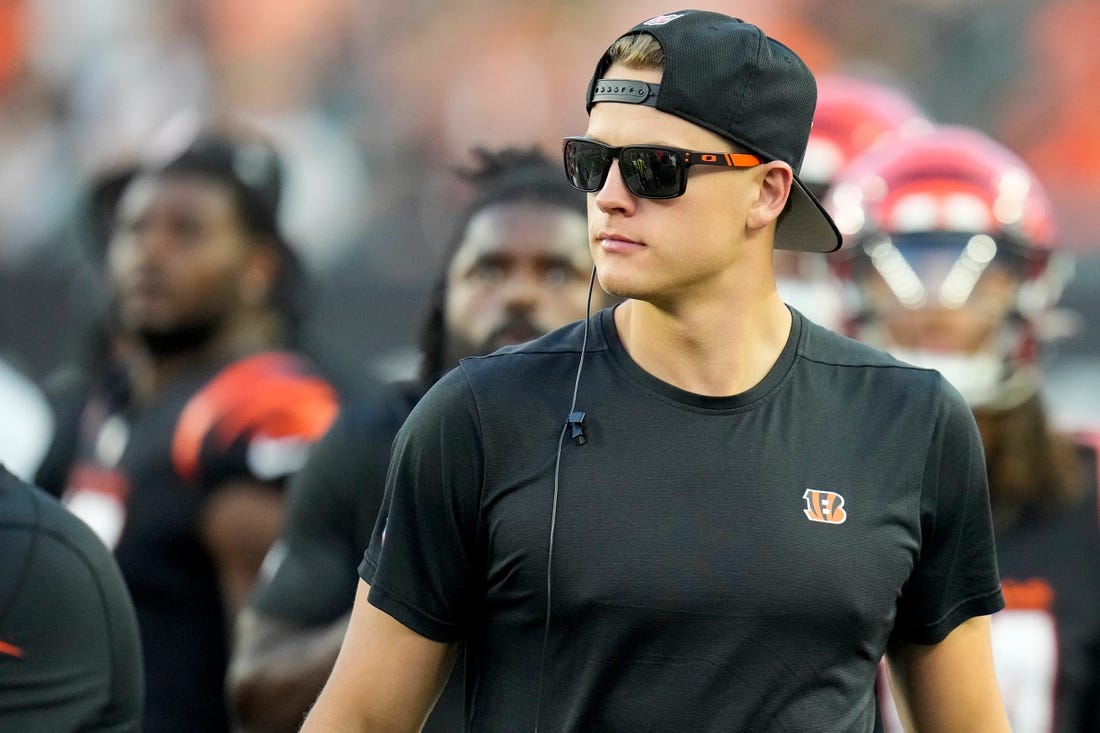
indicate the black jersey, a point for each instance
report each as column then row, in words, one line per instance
column 333, row 502
column 70, row 653
column 718, row 563
column 142, row 479
column 333, row 506
column 1046, row 642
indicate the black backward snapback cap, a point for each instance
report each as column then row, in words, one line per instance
column 726, row 75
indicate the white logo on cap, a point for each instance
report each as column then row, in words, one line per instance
column 662, row 19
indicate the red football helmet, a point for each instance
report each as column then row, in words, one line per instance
column 948, row 259
column 853, row 114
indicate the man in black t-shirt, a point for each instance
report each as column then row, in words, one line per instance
column 696, row 510
column 516, row 268
column 70, row 653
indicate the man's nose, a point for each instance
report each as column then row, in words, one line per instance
column 523, row 288
column 614, row 195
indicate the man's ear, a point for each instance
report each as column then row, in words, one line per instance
column 776, row 179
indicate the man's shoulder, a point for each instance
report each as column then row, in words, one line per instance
column 357, row 444
column 24, row 506
column 31, row 517
column 277, row 396
column 382, row 412
column 515, row 371
column 495, row 384
column 846, row 366
column 69, row 619
column 564, row 341
column 824, row 346
column 264, row 383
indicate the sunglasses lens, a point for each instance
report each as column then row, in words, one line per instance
column 586, row 164
column 652, row 172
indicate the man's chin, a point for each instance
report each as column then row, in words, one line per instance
column 177, row 339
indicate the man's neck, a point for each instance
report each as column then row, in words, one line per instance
column 152, row 370
column 715, row 349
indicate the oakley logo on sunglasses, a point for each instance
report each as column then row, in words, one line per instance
column 649, row 171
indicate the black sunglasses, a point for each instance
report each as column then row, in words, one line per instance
column 650, row 171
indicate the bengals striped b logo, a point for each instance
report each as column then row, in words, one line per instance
column 824, row 506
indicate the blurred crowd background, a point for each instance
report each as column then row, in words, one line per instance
column 374, row 102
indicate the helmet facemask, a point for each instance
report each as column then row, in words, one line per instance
column 951, row 301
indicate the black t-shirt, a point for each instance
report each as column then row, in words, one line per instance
column 70, row 653
column 142, row 479
column 1047, row 640
column 333, row 502
column 333, row 506
column 718, row 563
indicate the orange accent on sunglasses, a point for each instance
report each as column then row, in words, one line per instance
column 733, row 160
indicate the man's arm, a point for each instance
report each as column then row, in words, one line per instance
column 278, row 669
column 386, row 679
column 949, row 687
column 238, row 525
column 288, row 636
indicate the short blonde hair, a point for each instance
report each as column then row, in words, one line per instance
column 639, row 51
column 643, row 51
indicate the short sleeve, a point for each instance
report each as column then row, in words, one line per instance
column 421, row 563
column 313, row 564
column 956, row 574
column 257, row 418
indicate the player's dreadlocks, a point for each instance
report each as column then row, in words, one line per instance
column 504, row 176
